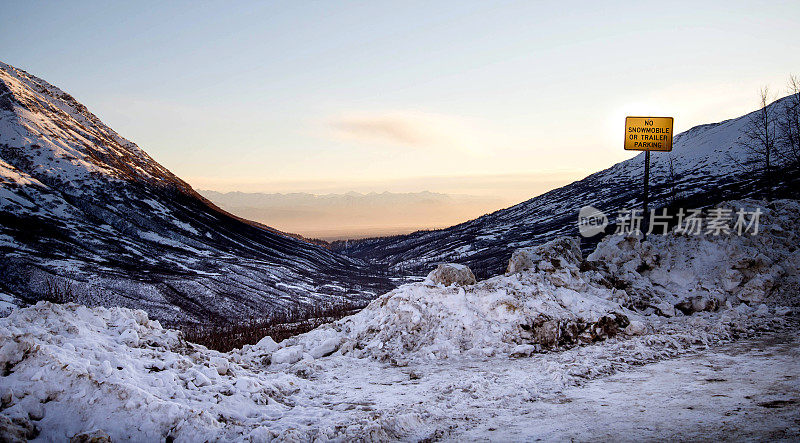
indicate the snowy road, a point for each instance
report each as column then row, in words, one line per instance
column 744, row 390
column 748, row 389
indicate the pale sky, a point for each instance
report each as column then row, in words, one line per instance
column 503, row 98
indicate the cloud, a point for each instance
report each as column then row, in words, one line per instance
column 383, row 129
column 403, row 128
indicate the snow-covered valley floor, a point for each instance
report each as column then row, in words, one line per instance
column 748, row 388
column 682, row 336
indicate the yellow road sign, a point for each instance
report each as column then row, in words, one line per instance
column 648, row 133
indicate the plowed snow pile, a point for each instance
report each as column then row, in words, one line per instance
column 524, row 312
column 417, row 359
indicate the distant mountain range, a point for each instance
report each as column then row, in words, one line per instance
column 353, row 214
column 705, row 170
column 86, row 215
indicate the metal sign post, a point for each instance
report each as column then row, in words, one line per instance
column 648, row 134
column 645, row 197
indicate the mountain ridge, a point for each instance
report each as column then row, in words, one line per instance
column 85, row 209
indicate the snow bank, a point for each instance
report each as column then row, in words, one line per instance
column 524, row 312
column 67, row 367
column 74, row 372
column 694, row 273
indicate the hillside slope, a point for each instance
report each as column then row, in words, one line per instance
column 86, row 214
column 704, row 173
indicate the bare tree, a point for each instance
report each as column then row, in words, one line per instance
column 789, row 125
column 759, row 140
column 673, row 179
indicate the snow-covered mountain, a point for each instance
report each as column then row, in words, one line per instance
column 704, row 172
column 87, row 215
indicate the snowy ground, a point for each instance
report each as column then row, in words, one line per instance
column 560, row 347
column 603, row 390
column 742, row 391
